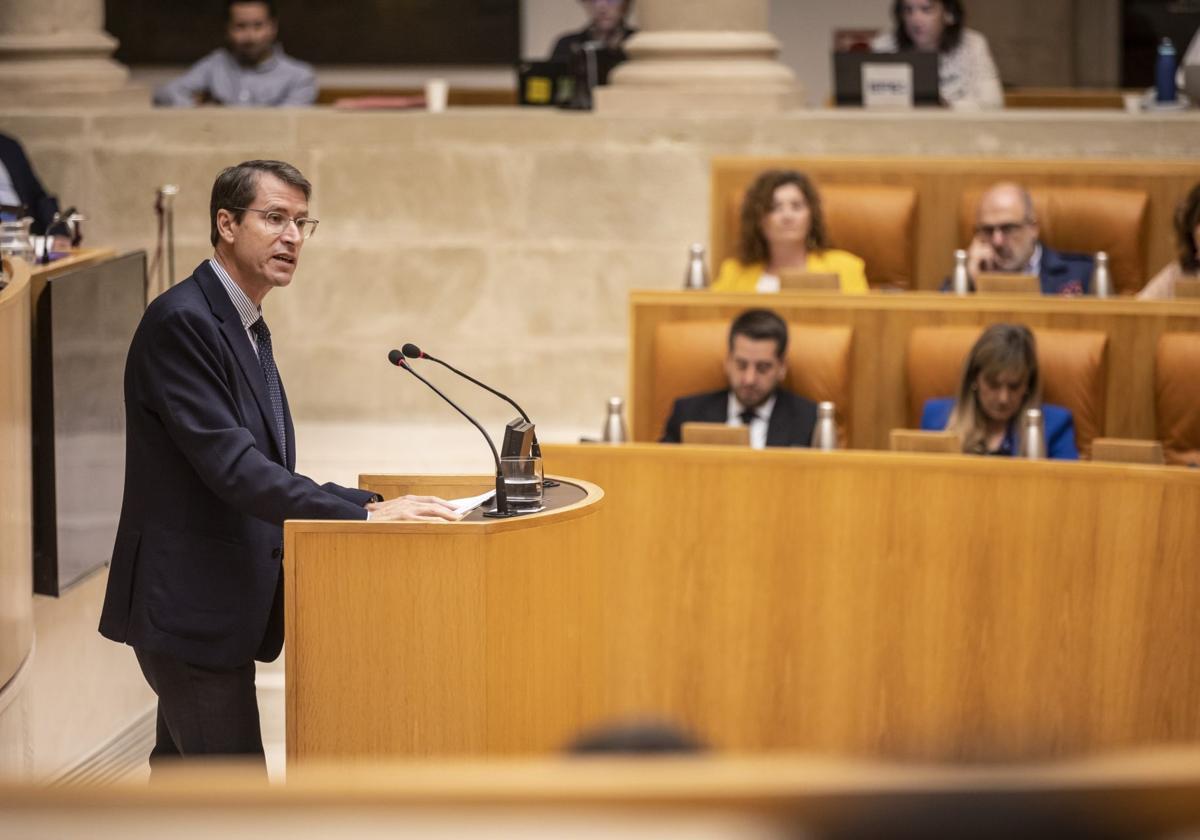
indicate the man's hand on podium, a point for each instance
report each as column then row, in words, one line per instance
column 412, row 509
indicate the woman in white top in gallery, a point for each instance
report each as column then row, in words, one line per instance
column 967, row 77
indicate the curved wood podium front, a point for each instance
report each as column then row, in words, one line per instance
column 440, row 639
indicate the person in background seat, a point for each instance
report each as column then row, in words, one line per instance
column 1007, row 239
column 782, row 227
column 999, row 381
column 607, row 29
column 1187, row 239
column 967, row 77
column 251, row 72
column 755, row 367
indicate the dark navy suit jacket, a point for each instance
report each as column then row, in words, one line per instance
column 1060, row 428
column 29, row 189
column 1063, row 273
column 197, row 567
column 791, row 423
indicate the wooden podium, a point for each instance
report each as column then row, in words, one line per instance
column 421, row 639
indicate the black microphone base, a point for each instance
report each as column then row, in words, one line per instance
column 497, row 514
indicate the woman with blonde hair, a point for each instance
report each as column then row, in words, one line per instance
column 782, row 227
column 999, row 382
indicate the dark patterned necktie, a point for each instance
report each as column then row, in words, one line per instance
column 266, row 360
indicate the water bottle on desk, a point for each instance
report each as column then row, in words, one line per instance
column 825, row 435
column 614, row 423
column 1164, row 73
column 1101, row 279
column 960, row 281
column 697, row 272
column 1033, row 434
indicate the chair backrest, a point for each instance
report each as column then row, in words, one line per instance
column 689, row 359
column 872, row 221
column 1084, row 220
column 1073, row 366
column 1176, row 400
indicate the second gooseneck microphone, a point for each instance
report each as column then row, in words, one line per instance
column 412, row 351
column 397, row 358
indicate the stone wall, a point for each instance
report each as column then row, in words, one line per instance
column 504, row 240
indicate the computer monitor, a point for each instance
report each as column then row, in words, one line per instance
column 885, row 80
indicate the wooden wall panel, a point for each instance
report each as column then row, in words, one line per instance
column 908, row 606
column 16, row 474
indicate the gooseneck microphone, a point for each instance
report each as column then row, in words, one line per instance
column 397, row 358
column 412, row 351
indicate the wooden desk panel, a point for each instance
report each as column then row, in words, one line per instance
column 882, row 322
column 16, row 476
column 896, row 605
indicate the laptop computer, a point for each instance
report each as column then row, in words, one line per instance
column 897, row 80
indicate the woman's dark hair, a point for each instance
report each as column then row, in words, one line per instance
column 951, row 35
column 237, row 186
column 752, row 245
column 1187, row 217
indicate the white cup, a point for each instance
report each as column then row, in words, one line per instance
column 437, row 91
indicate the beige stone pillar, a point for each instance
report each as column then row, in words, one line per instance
column 701, row 55
column 56, row 51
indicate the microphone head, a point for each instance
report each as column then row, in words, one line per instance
column 396, row 358
column 413, row 351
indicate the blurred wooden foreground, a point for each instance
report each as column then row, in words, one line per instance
column 1136, row 795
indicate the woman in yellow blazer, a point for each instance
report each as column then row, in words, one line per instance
column 783, row 228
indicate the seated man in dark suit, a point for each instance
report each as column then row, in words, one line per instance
column 21, row 193
column 607, row 31
column 755, row 368
column 1007, row 239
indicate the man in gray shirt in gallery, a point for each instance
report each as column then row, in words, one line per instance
column 252, row 71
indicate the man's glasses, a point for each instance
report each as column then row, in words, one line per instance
column 276, row 222
column 1006, row 230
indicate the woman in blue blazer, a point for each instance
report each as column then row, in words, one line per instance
column 1000, row 380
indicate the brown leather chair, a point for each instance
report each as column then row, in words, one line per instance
column 689, row 359
column 1176, row 400
column 871, row 221
column 1073, row 365
column 1084, row 220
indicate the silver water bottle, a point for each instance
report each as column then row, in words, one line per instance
column 697, row 270
column 960, row 281
column 1033, row 434
column 825, row 435
column 614, row 423
column 1101, row 279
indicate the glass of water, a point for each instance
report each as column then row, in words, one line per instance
column 523, row 481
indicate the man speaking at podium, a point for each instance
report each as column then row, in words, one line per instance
column 196, row 583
